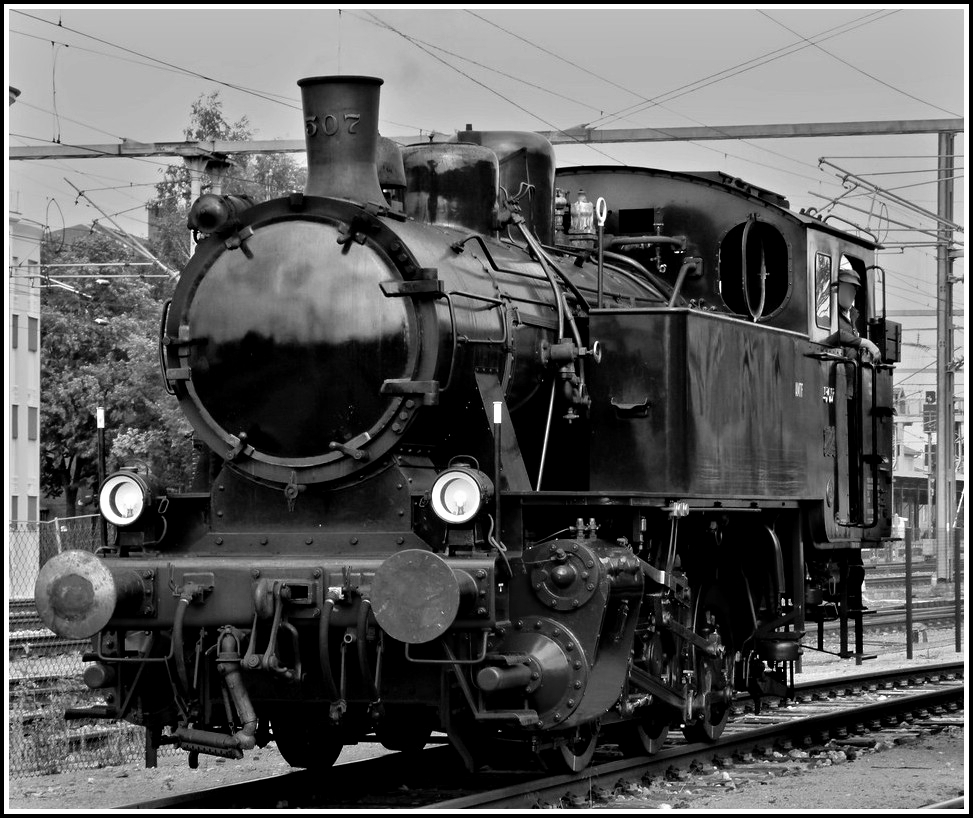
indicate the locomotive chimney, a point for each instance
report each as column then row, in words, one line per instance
column 341, row 129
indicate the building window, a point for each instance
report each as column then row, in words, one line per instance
column 14, row 420
column 32, row 423
column 14, row 510
column 14, row 330
column 31, row 508
column 33, row 333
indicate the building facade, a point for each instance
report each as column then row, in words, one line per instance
column 23, row 401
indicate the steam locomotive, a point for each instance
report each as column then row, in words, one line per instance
column 470, row 466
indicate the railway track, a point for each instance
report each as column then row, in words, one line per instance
column 825, row 715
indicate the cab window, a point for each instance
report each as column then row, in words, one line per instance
column 822, row 290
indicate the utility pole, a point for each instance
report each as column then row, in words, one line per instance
column 945, row 463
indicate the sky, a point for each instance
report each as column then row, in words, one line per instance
column 99, row 74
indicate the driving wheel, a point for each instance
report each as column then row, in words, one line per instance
column 646, row 733
column 713, row 668
column 305, row 740
column 576, row 752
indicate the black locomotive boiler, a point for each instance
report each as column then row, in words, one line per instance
column 473, row 469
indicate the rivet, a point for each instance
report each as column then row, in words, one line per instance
column 481, row 611
column 222, row 488
column 557, row 632
column 219, row 541
column 480, row 573
column 316, row 573
column 399, row 540
column 535, row 675
column 537, row 625
column 569, row 646
column 219, row 513
column 591, row 586
column 519, row 624
column 396, row 427
column 584, row 575
column 574, row 547
column 255, row 572
column 410, row 403
column 577, row 684
column 309, row 541
column 403, row 415
column 402, row 512
column 577, row 664
column 263, row 540
column 575, row 603
column 590, row 563
column 398, row 485
column 570, row 702
column 557, row 717
column 538, row 586
column 354, row 540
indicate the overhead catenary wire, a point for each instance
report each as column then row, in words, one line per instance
column 155, row 62
column 659, row 104
column 756, row 62
column 856, row 68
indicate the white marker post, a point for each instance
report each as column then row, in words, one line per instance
column 100, row 422
column 497, row 426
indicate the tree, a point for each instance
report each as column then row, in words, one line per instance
column 99, row 347
column 261, row 177
column 99, row 343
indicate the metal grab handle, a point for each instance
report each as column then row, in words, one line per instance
column 601, row 211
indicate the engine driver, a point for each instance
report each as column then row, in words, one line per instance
column 847, row 335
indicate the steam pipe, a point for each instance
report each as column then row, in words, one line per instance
column 178, row 642
column 366, row 671
column 228, row 662
column 324, row 647
column 689, row 263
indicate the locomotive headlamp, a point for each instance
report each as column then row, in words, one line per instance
column 459, row 493
column 124, row 497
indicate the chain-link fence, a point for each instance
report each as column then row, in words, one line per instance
column 44, row 671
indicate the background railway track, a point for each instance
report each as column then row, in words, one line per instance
column 826, row 716
column 28, row 638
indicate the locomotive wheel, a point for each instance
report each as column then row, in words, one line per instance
column 576, row 753
column 405, row 732
column 647, row 733
column 713, row 673
column 710, row 726
column 305, row 740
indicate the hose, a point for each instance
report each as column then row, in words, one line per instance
column 324, row 647
column 177, row 642
column 363, row 664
